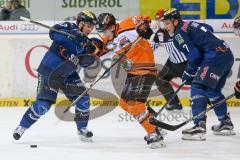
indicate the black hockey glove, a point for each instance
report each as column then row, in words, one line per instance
column 144, row 30
column 80, row 39
column 90, row 48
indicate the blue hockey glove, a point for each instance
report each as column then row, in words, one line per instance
column 80, row 39
column 188, row 77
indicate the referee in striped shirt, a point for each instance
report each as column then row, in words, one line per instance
column 173, row 68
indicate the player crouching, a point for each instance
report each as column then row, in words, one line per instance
column 209, row 62
column 140, row 67
column 58, row 71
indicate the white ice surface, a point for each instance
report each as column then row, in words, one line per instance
column 114, row 139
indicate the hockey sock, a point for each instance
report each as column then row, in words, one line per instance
column 34, row 112
column 221, row 110
column 82, row 112
column 199, row 101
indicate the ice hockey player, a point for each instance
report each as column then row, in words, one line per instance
column 209, row 62
column 140, row 67
column 57, row 71
column 236, row 26
column 175, row 65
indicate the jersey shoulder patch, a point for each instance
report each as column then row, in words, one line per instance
column 179, row 39
column 195, row 24
column 67, row 25
column 124, row 41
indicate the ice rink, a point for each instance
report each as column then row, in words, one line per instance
column 116, row 137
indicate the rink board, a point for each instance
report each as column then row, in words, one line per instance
column 21, row 55
column 25, row 102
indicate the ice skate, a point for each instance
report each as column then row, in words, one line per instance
column 225, row 128
column 163, row 132
column 85, row 135
column 18, row 132
column 197, row 132
column 155, row 139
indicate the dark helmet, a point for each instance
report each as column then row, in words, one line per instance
column 236, row 23
column 86, row 17
column 172, row 13
column 105, row 20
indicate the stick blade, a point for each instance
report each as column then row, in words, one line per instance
column 163, row 125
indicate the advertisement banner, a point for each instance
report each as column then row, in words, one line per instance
column 21, row 27
column 60, row 10
column 194, row 9
column 21, row 55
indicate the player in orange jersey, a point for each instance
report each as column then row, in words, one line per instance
column 236, row 26
column 139, row 64
column 237, row 89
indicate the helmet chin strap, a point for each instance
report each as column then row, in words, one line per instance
column 172, row 20
column 175, row 27
column 80, row 25
column 115, row 30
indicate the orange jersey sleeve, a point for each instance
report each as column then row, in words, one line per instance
column 140, row 59
column 131, row 23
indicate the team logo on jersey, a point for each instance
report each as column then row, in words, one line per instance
column 127, row 64
column 214, row 76
column 179, row 39
column 124, row 41
column 204, row 73
column 194, row 24
column 62, row 51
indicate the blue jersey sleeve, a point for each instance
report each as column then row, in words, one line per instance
column 66, row 27
column 184, row 44
column 207, row 26
column 75, row 46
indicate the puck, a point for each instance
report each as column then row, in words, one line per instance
column 33, row 146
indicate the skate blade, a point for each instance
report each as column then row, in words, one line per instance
column 196, row 137
column 85, row 139
column 156, row 145
column 163, row 132
column 225, row 133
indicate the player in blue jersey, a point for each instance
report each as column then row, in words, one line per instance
column 58, row 71
column 209, row 62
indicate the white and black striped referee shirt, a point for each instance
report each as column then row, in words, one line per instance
column 175, row 56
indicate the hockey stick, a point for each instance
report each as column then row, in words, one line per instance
column 155, row 114
column 55, row 30
column 46, row 26
column 175, row 127
column 105, row 72
column 171, row 99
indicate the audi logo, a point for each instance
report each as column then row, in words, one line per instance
column 29, row 27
